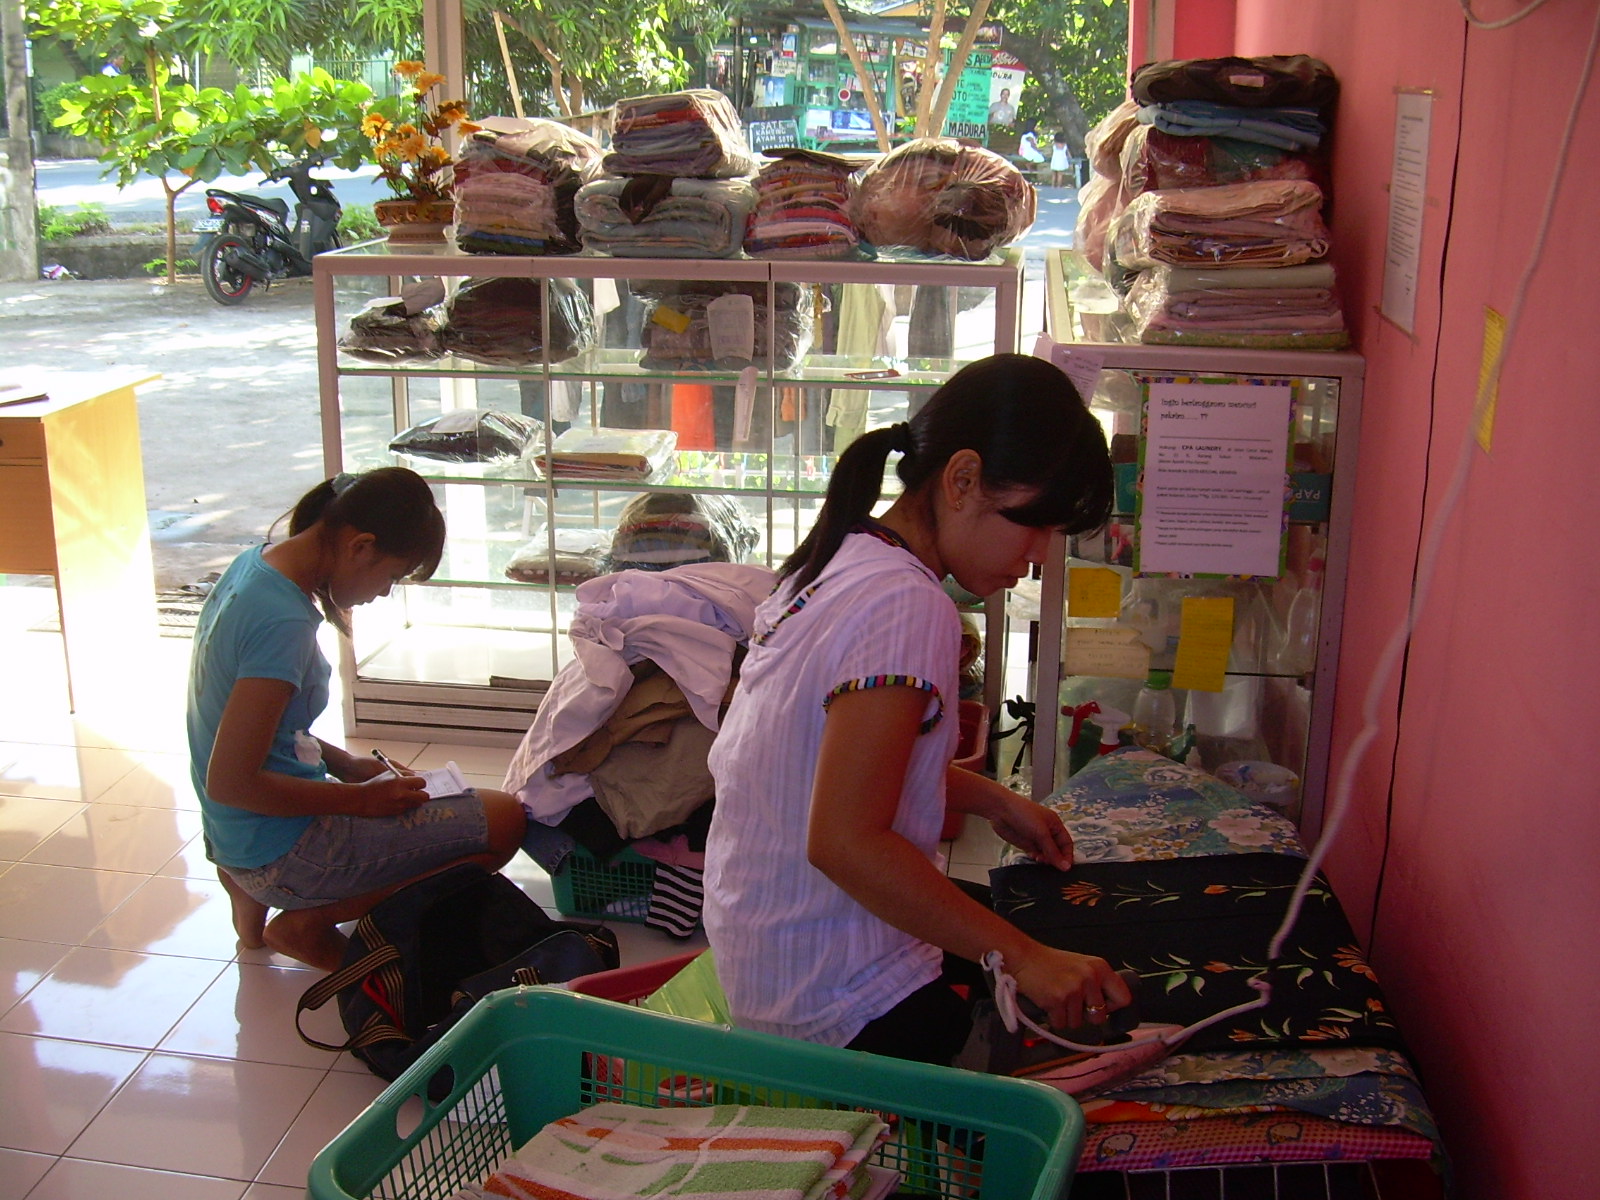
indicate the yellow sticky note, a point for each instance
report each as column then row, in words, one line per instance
column 1494, row 334
column 1106, row 653
column 1205, row 635
column 1093, row 592
column 670, row 318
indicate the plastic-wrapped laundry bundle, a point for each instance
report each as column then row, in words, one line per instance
column 695, row 134
column 657, row 216
column 403, row 328
column 499, row 322
column 1267, row 223
column 470, row 435
column 1155, row 161
column 936, row 196
column 515, row 183
column 722, row 325
column 565, row 557
column 660, row 530
column 803, row 207
column 1287, row 308
column 1265, row 81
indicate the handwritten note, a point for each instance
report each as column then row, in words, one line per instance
column 1093, row 592
column 1215, row 465
column 1107, row 653
column 1081, row 365
column 1205, row 635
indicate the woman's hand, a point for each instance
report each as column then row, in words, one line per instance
column 387, row 797
column 1072, row 989
column 1034, row 829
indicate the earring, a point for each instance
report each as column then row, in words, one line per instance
column 960, row 504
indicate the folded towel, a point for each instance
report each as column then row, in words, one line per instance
column 733, row 1152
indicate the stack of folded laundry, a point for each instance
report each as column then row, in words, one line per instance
column 675, row 184
column 687, row 324
column 802, row 207
column 515, row 182
column 1210, row 184
column 501, row 321
column 611, row 1150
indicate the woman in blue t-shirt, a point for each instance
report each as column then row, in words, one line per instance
column 293, row 822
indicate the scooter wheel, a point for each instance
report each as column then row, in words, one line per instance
column 225, row 283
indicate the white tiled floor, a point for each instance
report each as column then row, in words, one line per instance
column 142, row 1054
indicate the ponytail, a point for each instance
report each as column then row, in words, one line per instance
column 855, row 486
column 1025, row 421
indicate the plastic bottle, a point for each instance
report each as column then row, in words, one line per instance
column 1155, row 713
column 1300, row 624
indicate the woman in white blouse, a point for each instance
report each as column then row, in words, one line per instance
column 826, row 903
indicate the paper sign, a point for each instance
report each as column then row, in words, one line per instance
column 1079, row 364
column 1215, row 467
column 732, row 322
column 1408, row 196
column 744, row 404
column 1093, row 592
column 1205, row 635
column 1114, row 653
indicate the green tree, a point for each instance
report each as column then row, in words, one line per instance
column 1076, row 52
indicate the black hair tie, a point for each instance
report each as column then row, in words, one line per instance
column 902, row 439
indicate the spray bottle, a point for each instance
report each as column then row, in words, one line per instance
column 1107, row 721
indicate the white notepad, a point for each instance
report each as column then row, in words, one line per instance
column 440, row 781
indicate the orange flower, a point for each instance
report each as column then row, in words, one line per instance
column 1327, row 1033
column 1217, row 968
column 1216, row 889
column 426, row 80
column 1351, row 958
column 409, row 68
column 1082, row 893
column 1375, row 1005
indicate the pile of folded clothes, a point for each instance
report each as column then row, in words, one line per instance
column 1209, row 183
column 611, row 1150
column 500, row 322
column 675, row 183
column 401, row 328
column 937, row 196
column 515, row 182
column 802, row 207
column 722, row 325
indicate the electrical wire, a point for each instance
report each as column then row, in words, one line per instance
column 1398, row 642
column 1480, row 23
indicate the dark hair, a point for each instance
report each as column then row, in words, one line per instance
column 1024, row 420
column 393, row 504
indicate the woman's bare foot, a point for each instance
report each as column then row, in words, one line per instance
column 309, row 936
column 249, row 915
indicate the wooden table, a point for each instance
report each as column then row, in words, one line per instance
column 72, row 506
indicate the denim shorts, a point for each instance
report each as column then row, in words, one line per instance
column 338, row 857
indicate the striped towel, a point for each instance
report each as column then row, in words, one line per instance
column 727, row 1151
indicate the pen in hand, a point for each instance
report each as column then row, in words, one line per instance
column 384, row 759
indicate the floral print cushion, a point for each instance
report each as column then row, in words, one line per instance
column 1134, row 805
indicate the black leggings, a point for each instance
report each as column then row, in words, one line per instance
column 931, row 1024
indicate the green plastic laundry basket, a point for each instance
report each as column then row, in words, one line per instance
column 527, row 1056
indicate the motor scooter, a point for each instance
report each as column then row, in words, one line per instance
column 248, row 240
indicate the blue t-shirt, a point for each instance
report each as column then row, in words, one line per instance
column 256, row 624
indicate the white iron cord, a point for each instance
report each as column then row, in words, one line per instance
column 1005, row 986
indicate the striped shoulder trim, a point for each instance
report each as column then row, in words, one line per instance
column 795, row 605
column 878, row 681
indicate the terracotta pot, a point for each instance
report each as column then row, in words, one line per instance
column 415, row 220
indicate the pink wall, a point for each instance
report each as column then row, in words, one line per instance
column 1483, row 788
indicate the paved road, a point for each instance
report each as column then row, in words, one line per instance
column 68, row 183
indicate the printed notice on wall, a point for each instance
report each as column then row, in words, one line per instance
column 1215, row 460
column 1408, row 190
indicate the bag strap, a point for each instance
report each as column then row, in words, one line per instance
column 358, row 972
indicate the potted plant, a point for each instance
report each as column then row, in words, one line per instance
column 406, row 132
